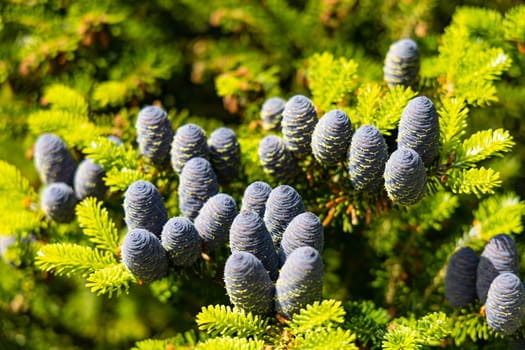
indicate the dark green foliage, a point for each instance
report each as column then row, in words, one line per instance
column 154, row 134
column 331, row 137
column 419, row 129
column 144, row 208
column 58, row 202
column 255, row 196
column 300, row 281
column 499, row 255
column 299, row 119
column 402, row 63
column 272, row 113
column 189, row 141
column 89, row 180
column 460, row 278
column 53, row 160
column 143, row 255
column 249, row 234
column 276, row 159
column 367, row 157
column 305, row 229
column 248, row 283
column 215, row 219
column 225, row 154
column 182, row 242
column 505, row 305
column 405, row 177
column 197, row 183
column 284, row 203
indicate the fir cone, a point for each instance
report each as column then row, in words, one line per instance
column 144, row 208
column 299, row 119
column 154, row 134
column 460, row 278
column 197, row 183
column 225, row 154
column 89, row 180
column 419, row 129
column 215, row 219
column 248, row 234
column 272, row 113
column 331, row 137
column 283, row 204
column 405, row 177
column 367, row 157
column 115, row 139
column 189, row 142
column 499, row 255
column 255, row 197
column 306, row 229
column 248, row 284
column 300, row 281
column 505, row 306
column 402, row 63
column 276, row 158
column 181, row 241
column 143, row 255
column 58, row 202
column 53, row 161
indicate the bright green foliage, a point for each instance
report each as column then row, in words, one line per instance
column 330, row 80
column 227, row 343
column 470, row 325
column 66, row 98
column 514, row 24
column 324, row 314
column 225, row 321
column 97, row 225
column 72, row 259
column 326, row 339
column 112, row 279
column 184, row 340
column 477, row 181
column 453, row 116
column 483, row 145
column 432, row 211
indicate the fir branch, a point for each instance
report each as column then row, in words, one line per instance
column 75, row 129
column 483, row 145
column 225, row 321
column 401, row 337
column 476, row 181
column 66, row 98
column 326, row 339
column 12, row 182
column 327, row 314
column 110, row 280
column 109, row 155
column 470, row 325
column 452, row 124
column 97, row 225
column 120, row 179
column 228, row 343
column 367, row 321
column 186, row 340
column 66, row 259
column 514, row 24
column 110, row 93
column 432, row 211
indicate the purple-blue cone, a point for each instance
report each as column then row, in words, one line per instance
column 197, row 183
column 419, row 129
column 144, row 208
column 89, row 180
column 154, row 134
column 189, row 141
column 143, row 255
column 225, row 154
column 299, row 119
column 248, row 284
column 215, row 219
column 255, row 197
column 276, row 158
column 460, row 278
column 402, row 63
column 248, row 234
column 505, row 306
column 53, row 161
column 272, row 113
column 300, row 281
column 58, row 202
column 499, row 255
column 331, row 137
column 367, row 156
column 181, row 241
column 306, row 229
column 405, row 177
column 283, row 204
